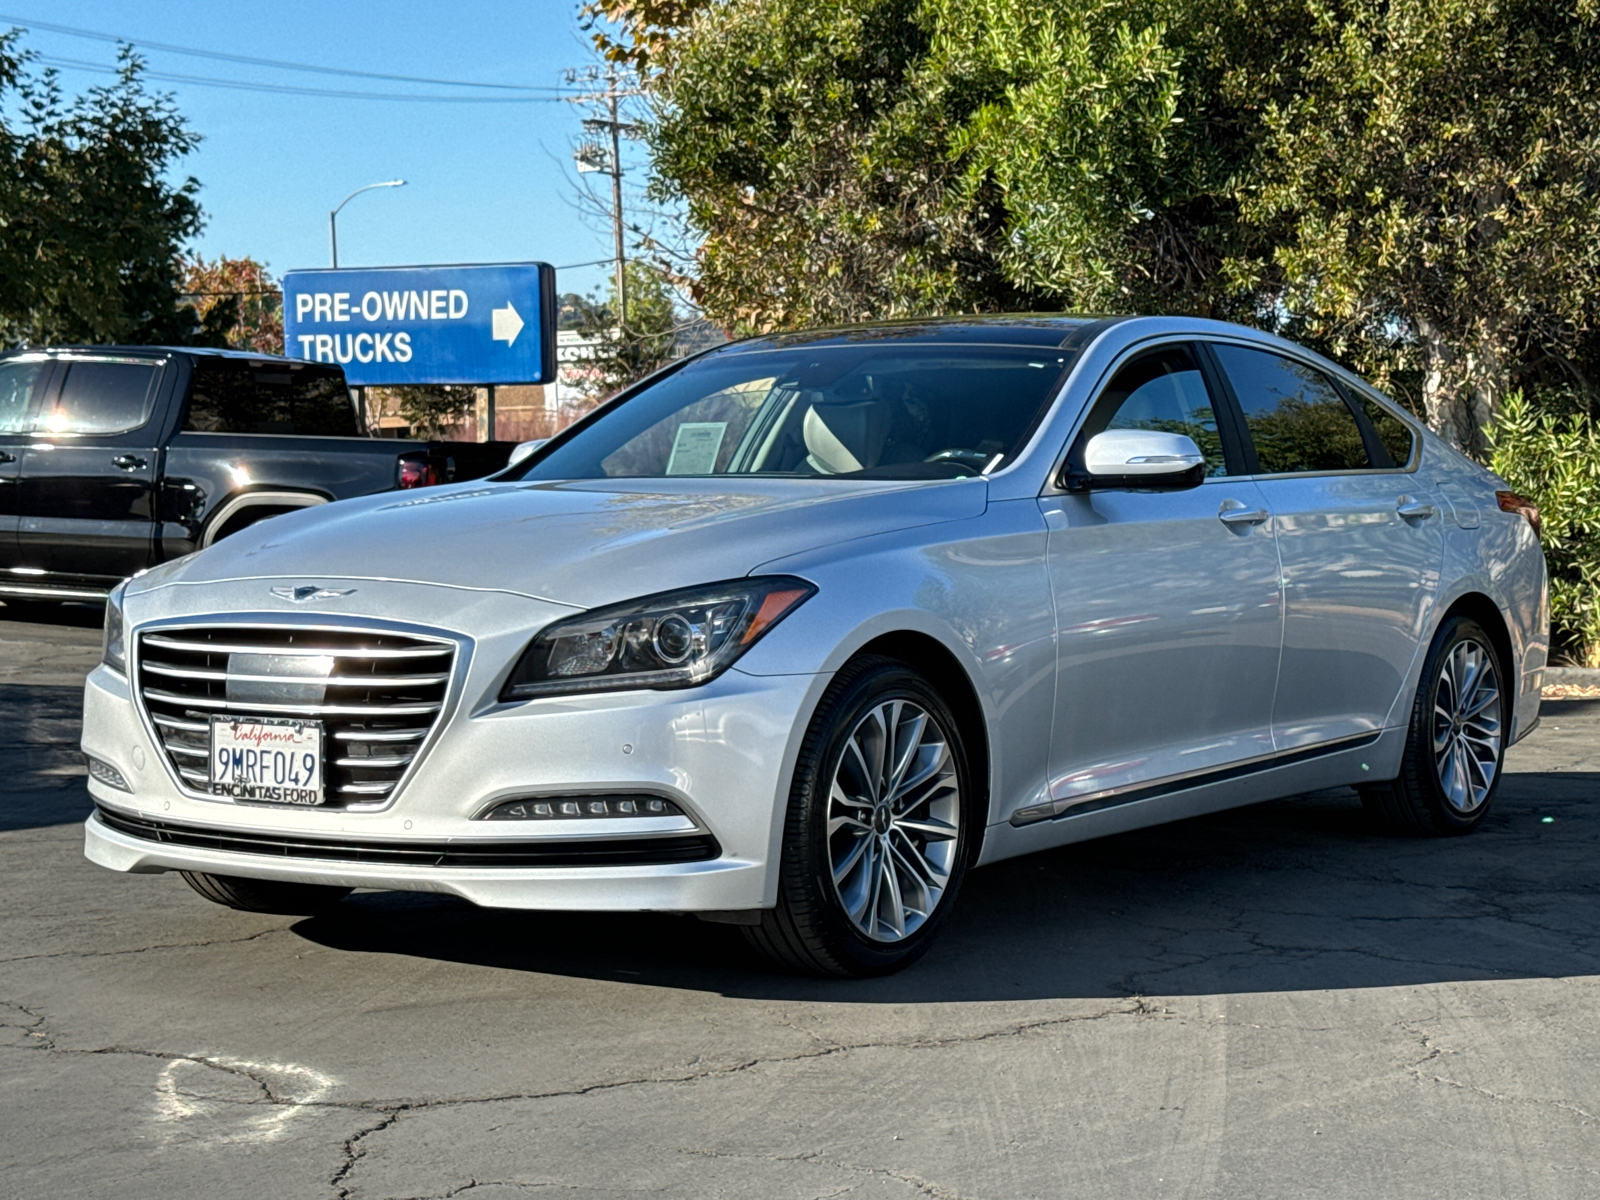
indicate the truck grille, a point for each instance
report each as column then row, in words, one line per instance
column 377, row 694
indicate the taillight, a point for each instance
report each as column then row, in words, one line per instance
column 417, row 472
column 1512, row 503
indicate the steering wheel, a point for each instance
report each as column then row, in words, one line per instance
column 976, row 459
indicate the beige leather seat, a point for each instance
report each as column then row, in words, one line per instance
column 841, row 438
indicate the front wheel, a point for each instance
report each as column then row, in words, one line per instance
column 875, row 840
column 1456, row 742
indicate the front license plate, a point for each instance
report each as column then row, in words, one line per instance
column 262, row 758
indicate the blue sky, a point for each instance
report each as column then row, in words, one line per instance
column 484, row 181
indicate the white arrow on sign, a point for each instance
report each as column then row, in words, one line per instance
column 505, row 324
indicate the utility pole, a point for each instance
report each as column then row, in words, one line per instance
column 593, row 155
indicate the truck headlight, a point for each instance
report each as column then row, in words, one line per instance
column 113, row 650
column 671, row 640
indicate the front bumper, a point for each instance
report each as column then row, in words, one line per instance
column 723, row 752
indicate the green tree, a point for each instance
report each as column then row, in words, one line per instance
column 622, row 354
column 1553, row 458
column 1409, row 185
column 91, row 227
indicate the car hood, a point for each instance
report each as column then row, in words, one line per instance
column 582, row 544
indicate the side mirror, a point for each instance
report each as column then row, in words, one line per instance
column 1143, row 459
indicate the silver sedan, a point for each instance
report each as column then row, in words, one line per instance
column 794, row 634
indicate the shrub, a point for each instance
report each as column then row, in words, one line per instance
column 1550, row 452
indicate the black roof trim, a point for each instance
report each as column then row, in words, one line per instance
column 162, row 351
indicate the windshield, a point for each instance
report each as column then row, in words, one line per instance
column 865, row 412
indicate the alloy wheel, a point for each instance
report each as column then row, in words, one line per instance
column 1466, row 725
column 894, row 820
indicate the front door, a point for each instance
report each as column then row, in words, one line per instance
column 1167, row 604
column 87, row 511
column 1361, row 540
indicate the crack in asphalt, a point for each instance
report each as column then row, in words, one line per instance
column 16, row 958
column 390, row 1112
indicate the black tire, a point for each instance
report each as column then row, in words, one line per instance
column 265, row 895
column 810, row 930
column 1416, row 803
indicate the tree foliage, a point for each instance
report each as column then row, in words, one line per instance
column 1410, row 185
column 237, row 301
column 91, row 226
column 1553, row 458
column 622, row 353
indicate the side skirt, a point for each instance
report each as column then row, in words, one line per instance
column 1366, row 758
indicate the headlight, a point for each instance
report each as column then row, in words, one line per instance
column 672, row 640
column 113, row 650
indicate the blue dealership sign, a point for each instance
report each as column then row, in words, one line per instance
column 395, row 325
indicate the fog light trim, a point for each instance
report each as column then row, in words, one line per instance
column 581, row 808
column 107, row 774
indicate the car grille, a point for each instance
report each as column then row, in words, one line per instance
column 458, row 852
column 377, row 700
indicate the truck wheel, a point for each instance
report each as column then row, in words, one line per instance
column 265, row 895
column 875, row 840
column 1456, row 742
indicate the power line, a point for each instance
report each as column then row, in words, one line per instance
column 285, row 89
column 221, row 56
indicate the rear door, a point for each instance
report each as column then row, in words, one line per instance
column 1167, row 603
column 22, row 379
column 88, row 494
column 1359, row 535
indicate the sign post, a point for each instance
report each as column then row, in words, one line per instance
column 389, row 326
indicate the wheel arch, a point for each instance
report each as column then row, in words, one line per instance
column 249, row 505
column 1487, row 614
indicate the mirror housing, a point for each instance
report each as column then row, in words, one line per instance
column 1140, row 459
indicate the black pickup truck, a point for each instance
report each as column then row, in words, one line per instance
column 115, row 458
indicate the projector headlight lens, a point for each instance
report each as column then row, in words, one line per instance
column 672, row 640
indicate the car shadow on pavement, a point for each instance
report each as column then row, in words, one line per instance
column 41, row 767
column 1291, row 895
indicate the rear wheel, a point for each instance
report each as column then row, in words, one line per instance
column 265, row 895
column 1456, row 741
column 875, row 841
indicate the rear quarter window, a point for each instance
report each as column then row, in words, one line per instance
column 1394, row 433
column 240, row 396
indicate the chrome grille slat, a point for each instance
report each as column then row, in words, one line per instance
column 298, row 651
column 175, row 723
column 394, row 681
column 293, row 710
column 325, row 680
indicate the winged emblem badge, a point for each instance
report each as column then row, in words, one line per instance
column 299, row 595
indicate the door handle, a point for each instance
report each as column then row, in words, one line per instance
column 1241, row 515
column 1414, row 510
column 128, row 462
column 6, row 457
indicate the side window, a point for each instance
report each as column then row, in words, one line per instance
column 102, row 397
column 1394, row 433
column 1296, row 417
column 17, row 381
column 1162, row 390
column 231, row 395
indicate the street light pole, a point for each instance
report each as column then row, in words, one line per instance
column 333, row 226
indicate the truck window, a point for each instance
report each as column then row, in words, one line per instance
column 102, row 397
column 235, row 395
column 17, row 381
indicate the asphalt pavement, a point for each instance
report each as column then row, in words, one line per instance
column 1272, row 1002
